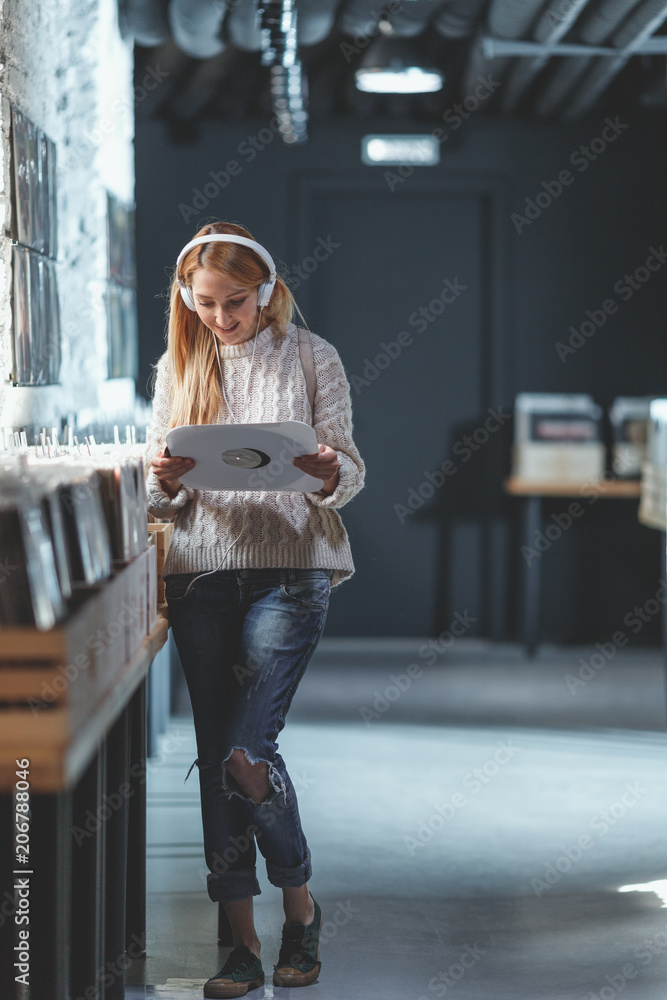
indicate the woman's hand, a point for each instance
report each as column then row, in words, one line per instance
column 170, row 469
column 323, row 464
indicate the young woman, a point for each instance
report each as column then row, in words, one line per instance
column 248, row 576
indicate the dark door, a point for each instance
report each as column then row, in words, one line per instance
column 404, row 295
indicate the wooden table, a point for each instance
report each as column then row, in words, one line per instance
column 533, row 494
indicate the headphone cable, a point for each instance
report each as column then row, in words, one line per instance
column 245, row 404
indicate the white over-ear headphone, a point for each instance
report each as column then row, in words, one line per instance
column 264, row 290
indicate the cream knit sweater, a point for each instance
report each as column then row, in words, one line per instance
column 291, row 529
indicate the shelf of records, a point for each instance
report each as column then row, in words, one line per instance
column 559, row 437
column 80, row 596
column 69, row 520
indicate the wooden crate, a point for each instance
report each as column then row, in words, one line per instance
column 49, row 680
column 160, row 534
column 151, row 588
column 57, row 684
column 59, row 748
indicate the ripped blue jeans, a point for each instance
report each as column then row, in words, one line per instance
column 245, row 638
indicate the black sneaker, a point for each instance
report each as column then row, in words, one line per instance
column 299, row 959
column 241, row 972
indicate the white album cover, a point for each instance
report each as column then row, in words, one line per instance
column 246, row 456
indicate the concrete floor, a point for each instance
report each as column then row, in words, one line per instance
column 474, row 840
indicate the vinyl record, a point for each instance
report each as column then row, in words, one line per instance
column 246, row 456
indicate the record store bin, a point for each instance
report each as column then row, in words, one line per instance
column 80, row 627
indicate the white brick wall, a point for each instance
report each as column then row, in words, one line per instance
column 67, row 68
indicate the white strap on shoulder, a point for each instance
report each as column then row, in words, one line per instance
column 308, row 365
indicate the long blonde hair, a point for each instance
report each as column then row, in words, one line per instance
column 196, row 395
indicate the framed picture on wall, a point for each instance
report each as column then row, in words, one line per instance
column 130, row 332
column 114, row 331
column 37, row 349
column 51, row 164
column 26, row 174
column 128, row 265
column 38, row 319
column 121, row 294
column 22, row 321
column 54, row 349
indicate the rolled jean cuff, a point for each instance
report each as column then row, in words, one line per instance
column 290, row 877
column 230, row 886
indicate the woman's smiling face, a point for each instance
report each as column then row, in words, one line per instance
column 225, row 307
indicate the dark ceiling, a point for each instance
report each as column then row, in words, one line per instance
column 553, row 59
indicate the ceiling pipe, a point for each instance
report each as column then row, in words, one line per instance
column 641, row 24
column 553, row 25
column 175, row 68
column 146, row 21
column 410, row 19
column 209, row 76
column 602, row 19
column 196, row 26
column 316, row 20
column 242, row 26
column 361, row 18
column 507, row 19
column 459, row 18
column 594, row 28
column 512, row 18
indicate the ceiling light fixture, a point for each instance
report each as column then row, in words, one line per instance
column 395, row 66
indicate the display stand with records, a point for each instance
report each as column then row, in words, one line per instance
column 79, row 631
